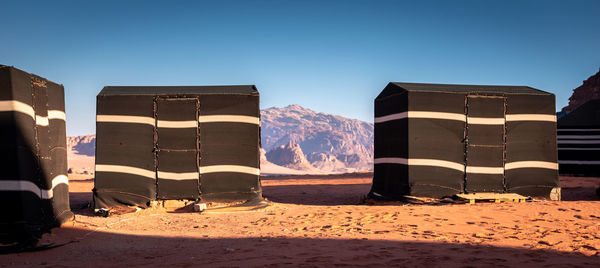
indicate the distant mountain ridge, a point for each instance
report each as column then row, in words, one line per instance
column 330, row 143
column 295, row 140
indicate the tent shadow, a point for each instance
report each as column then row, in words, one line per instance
column 319, row 194
column 85, row 247
column 80, row 203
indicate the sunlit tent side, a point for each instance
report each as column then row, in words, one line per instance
column 579, row 140
column 162, row 143
column 436, row 140
column 33, row 158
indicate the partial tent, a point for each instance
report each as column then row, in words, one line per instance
column 579, row 140
column 34, row 184
column 162, row 143
column 438, row 140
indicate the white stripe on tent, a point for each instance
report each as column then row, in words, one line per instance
column 391, row 117
column 578, row 129
column 583, row 137
column 421, row 114
column 16, row 185
column 463, row 118
column 421, row 162
column 229, row 118
column 125, row 119
column 126, row 169
column 177, row 124
column 470, row 169
column 56, row 114
column 151, row 174
column 485, row 170
column 229, row 168
column 17, row 106
column 578, row 162
column 485, row 121
column 530, row 117
column 437, row 115
column 178, row 176
column 41, row 120
column 578, row 149
column 531, row 164
column 578, row 141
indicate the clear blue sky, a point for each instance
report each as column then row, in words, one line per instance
column 333, row 57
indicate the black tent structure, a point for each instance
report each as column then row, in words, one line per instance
column 177, row 143
column 33, row 156
column 436, row 140
column 579, row 140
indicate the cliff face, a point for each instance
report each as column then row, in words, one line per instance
column 589, row 90
column 82, row 145
column 331, row 143
column 291, row 156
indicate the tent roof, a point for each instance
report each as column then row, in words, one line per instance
column 400, row 87
column 170, row 90
column 588, row 114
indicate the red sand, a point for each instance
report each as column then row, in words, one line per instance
column 318, row 221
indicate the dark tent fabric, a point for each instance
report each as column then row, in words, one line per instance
column 161, row 143
column 579, row 140
column 436, row 140
column 33, row 156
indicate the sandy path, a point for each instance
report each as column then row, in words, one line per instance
column 317, row 221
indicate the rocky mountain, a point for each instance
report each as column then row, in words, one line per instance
column 295, row 140
column 330, row 143
column 291, row 156
column 82, row 145
column 589, row 90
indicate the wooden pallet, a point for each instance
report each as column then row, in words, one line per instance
column 496, row 197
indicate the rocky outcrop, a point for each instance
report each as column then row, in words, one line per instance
column 331, row 143
column 291, row 156
column 82, row 145
column 326, row 162
column 589, row 90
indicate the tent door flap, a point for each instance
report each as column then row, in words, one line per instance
column 485, row 140
column 176, row 148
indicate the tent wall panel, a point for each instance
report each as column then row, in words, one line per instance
column 233, row 142
column 125, row 144
column 185, row 164
column 217, row 104
column 537, row 180
column 434, row 181
column 436, row 139
column 438, row 102
column 33, row 155
column 227, row 186
column 464, row 138
column 185, row 131
column 390, row 188
column 578, row 136
column 392, row 145
column 530, row 103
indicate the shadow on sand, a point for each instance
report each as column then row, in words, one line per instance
column 102, row 249
column 319, row 194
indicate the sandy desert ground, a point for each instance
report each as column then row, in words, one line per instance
column 319, row 221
